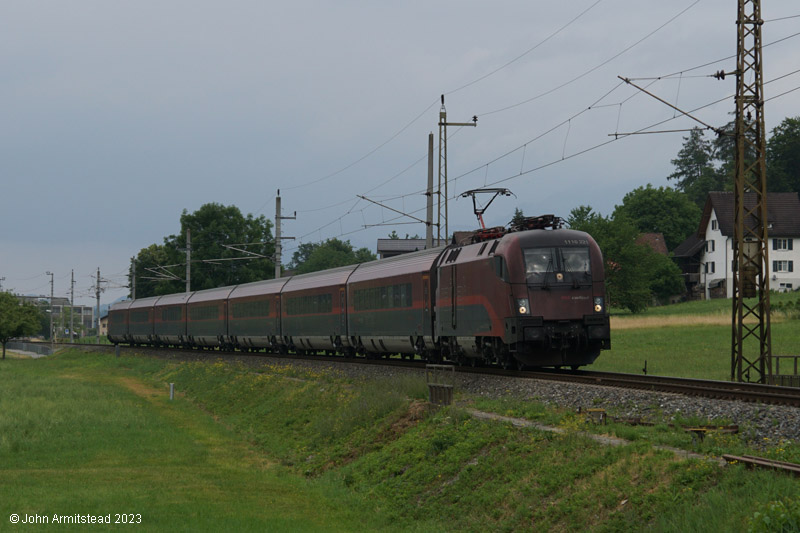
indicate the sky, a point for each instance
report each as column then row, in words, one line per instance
column 117, row 116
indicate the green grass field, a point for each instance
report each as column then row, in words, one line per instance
column 691, row 339
column 84, row 435
column 278, row 448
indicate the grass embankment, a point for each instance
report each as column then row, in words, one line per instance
column 278, row 448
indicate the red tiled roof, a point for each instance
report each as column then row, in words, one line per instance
column 654, row 241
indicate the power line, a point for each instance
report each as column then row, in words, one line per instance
column 473, row 82
column 586, row 73
column 528, row 51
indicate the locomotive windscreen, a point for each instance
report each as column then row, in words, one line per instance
column 548, row 265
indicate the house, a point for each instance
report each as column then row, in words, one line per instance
column 655, row 241
column 103, row 325
column 706, row 257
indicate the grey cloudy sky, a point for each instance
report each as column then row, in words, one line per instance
column 116, row 116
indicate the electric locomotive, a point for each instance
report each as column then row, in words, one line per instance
column 534, row 295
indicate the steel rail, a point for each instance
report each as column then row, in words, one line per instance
column 720, row 390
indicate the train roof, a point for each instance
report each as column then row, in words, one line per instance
column 120, row 306
column 410, row 263
column 258, row 288
column 141, row 303
column 208, row 295
column 323, row 278
column 522, row 239
column 556, row 237
column 174, row 299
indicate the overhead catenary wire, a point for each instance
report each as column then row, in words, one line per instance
column 653, row 32
column 679, row 73
column 570, row 156
column 528, row 51
column 596, row 67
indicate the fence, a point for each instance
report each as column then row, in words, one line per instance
column 35, row 347
column 787, row 379
column 441, row 382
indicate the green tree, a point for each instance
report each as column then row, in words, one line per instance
column 330, row 254
column 662, row 210
column 783, row 157
column 518, row 218
column 583, row 217
column 228, row 248
column 16, row 319
column 635, row 274
column 666, row 277
column 154, row 267
column 695, row 173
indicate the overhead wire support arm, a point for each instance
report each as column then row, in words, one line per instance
column 253, row 254
column 391, row 209
column 718, row 131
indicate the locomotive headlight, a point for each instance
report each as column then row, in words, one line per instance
column 598, row 304
column 523, row 307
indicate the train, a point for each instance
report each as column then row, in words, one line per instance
column 532, row 295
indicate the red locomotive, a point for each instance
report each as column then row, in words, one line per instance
column 532, row 295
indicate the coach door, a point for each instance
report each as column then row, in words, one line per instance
column 454, row 296
column 342, row 313
column 277, row 323
column 426, row 306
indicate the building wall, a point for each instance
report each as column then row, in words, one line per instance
column 718, row 257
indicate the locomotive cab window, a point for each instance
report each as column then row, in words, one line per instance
column 556, row 265
column 575, row 259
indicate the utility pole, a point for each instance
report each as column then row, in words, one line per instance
column 278, row 237
column 429, row 194
column 48, row 273
column 188, row 260
column 97, row 294
column 751, row 321
column 72, row 306
column 443, row 165
column 133, row 278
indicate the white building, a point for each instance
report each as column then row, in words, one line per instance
column 707, row 256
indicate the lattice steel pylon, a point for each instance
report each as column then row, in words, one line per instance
column 751, row 345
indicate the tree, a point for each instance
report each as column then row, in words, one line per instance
column 518, row 217
column 783, row 157
column 695, row 173
column 667, row 279
column 227, row 249
column 662, row 210
column 330, row 254
column 583, row 217
column 634, row 273
column 16, row 319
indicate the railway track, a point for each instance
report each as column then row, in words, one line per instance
column 721, row 390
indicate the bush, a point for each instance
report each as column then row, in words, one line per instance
column 777, row 516
column 789, row 308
